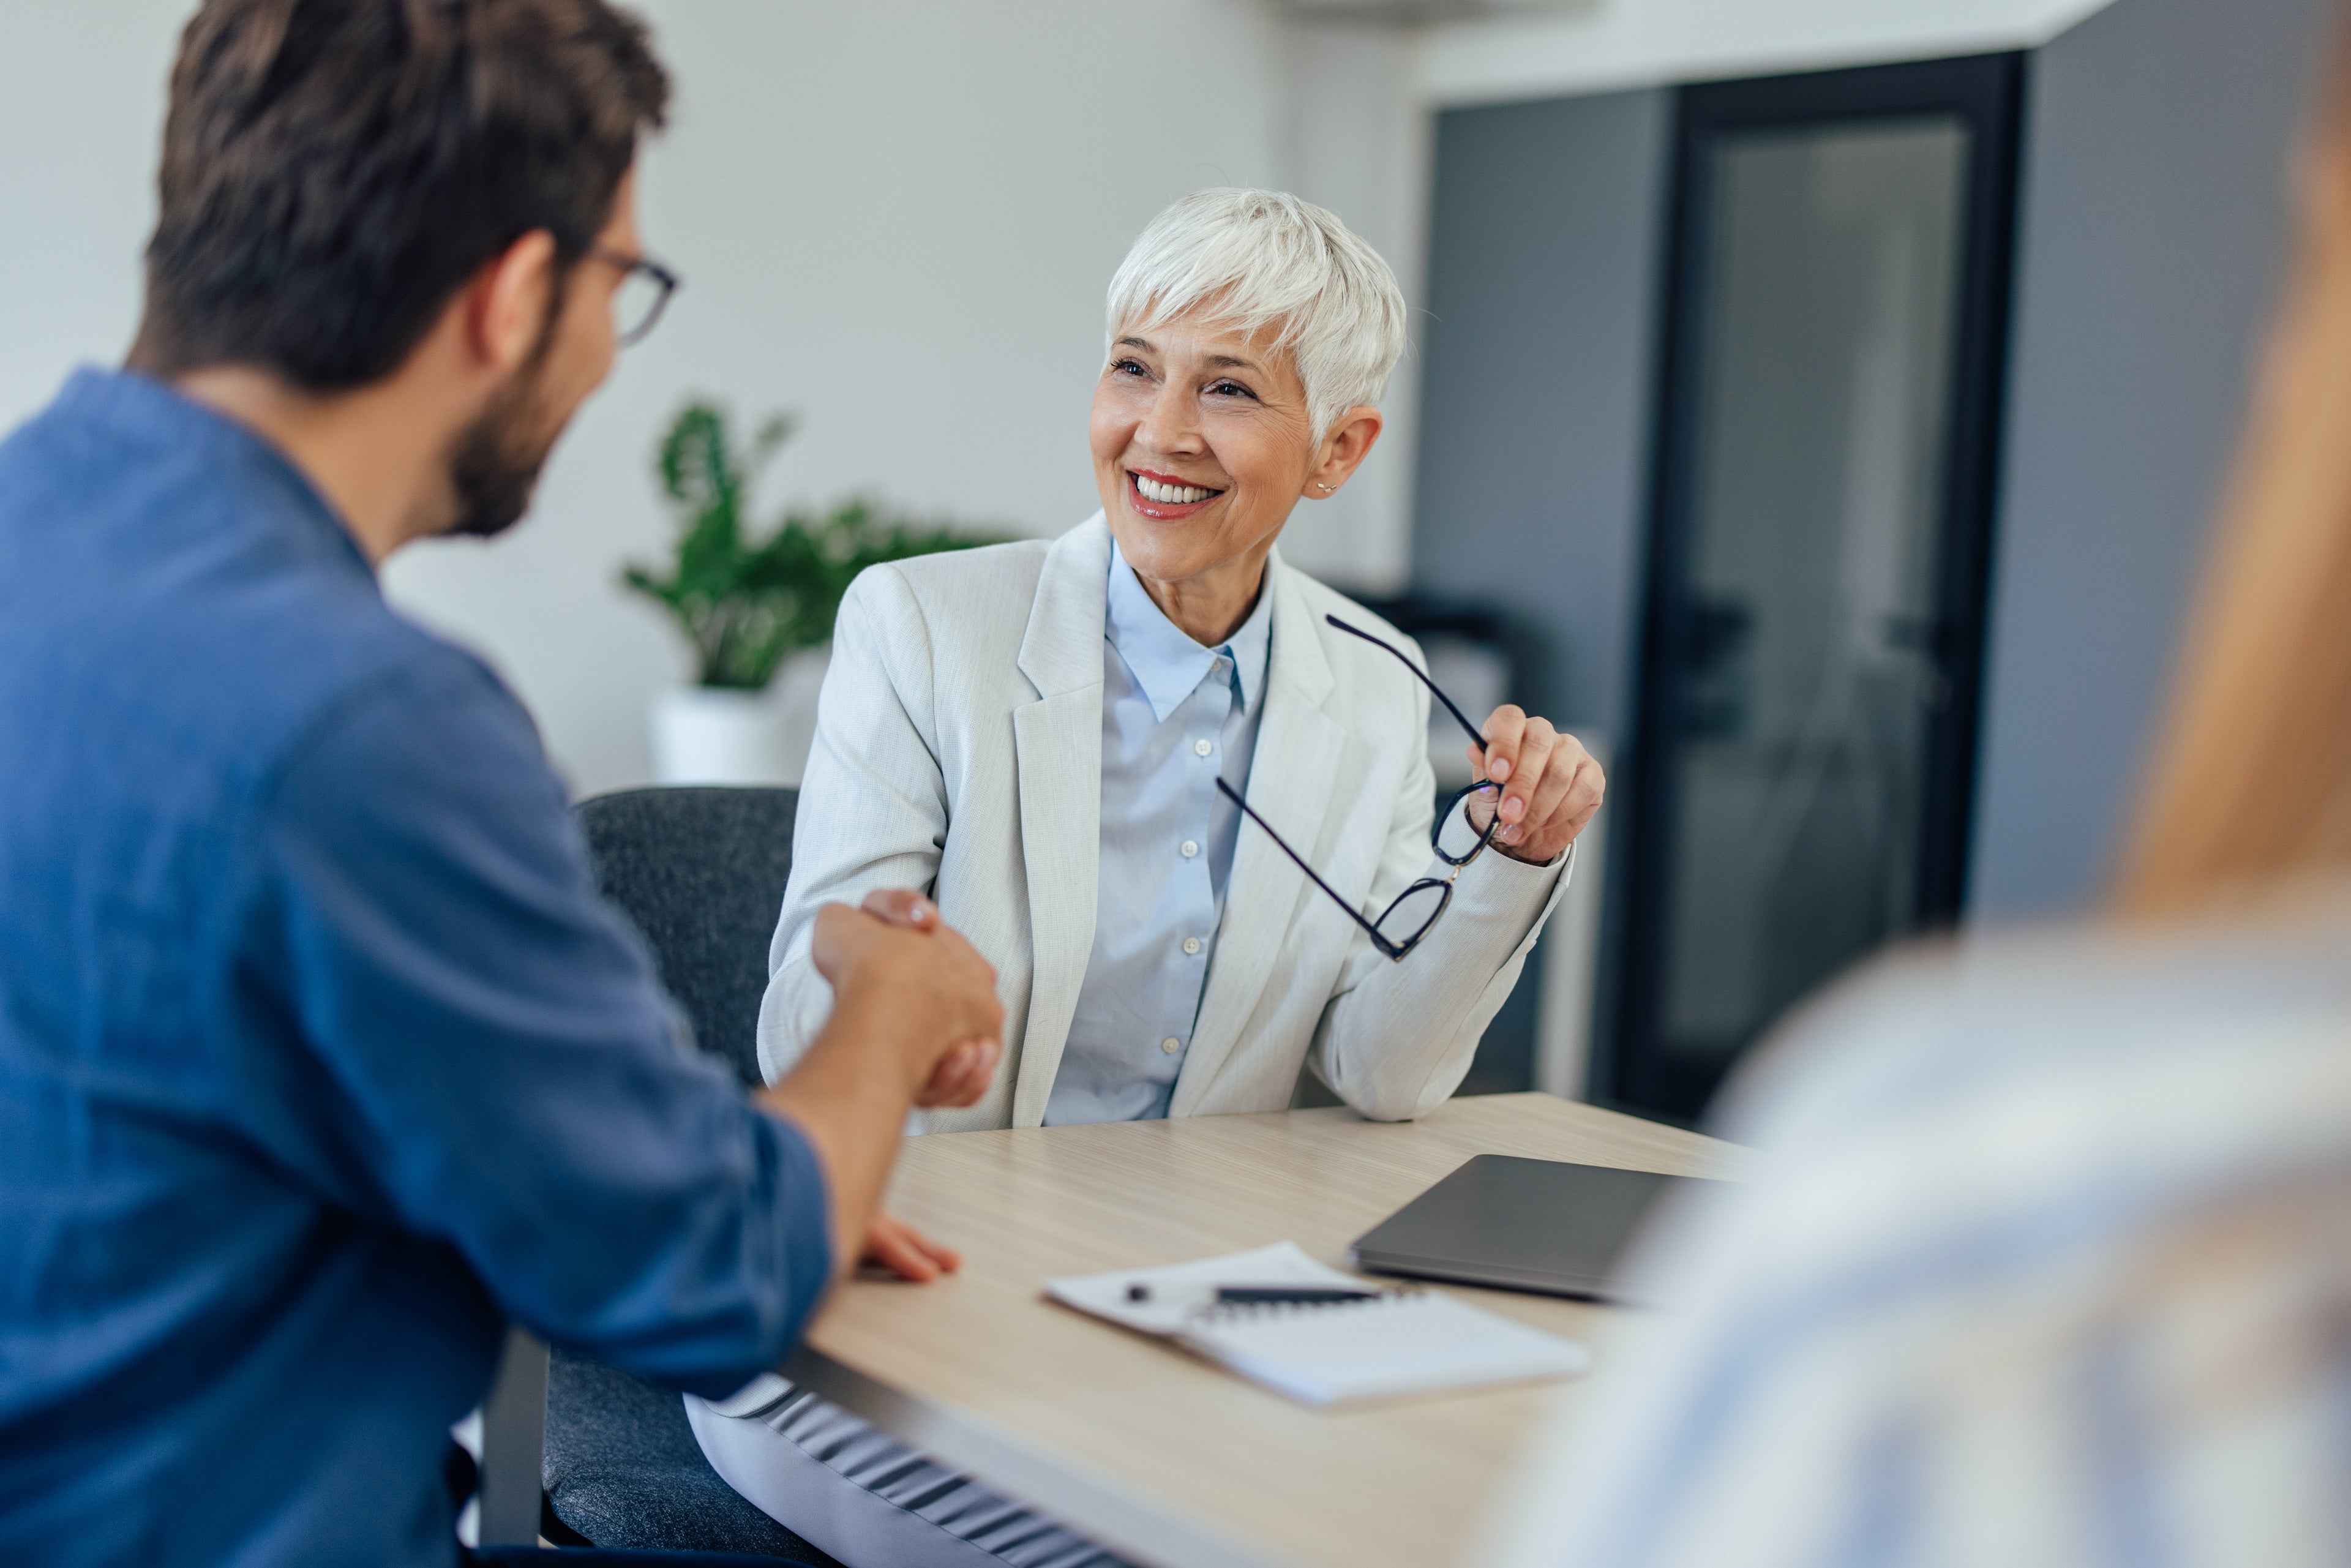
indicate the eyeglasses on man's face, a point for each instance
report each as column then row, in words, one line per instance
column 643, row 296
column 1456, row 837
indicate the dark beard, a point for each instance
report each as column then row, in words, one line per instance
column 494, row 463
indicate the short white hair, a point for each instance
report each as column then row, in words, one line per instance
column 1264, row 258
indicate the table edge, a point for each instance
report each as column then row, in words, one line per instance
column 1110, row 1515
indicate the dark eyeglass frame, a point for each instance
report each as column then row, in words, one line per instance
column 1395, row 950
column 662, row 278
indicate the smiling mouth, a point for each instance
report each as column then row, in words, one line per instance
column 1168, row 492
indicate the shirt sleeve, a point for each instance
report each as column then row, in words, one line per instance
column 874, row 803
column 1397, row 1039
column 470, row 1044
column 2038, row 1264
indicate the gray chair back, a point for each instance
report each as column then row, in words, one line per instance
column 701, row 871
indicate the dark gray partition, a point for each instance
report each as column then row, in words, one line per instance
column 1544, row 263
column 1545, row 258
column 2160, row 139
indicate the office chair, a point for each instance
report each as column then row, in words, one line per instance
column 701, row 871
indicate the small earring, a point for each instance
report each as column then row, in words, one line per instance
column 1326, row 489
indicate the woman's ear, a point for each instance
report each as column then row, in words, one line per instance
column 1344, row 446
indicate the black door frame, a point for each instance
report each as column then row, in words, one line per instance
column 1987, row 92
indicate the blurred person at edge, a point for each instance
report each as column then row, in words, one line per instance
column 320, row 1058
column 2053, row 1266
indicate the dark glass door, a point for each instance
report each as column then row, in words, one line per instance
column 1813, row 627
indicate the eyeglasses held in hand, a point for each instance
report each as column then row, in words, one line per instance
column 644, row 295
column 1456, row 837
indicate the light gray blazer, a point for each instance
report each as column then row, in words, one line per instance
column 958, row 750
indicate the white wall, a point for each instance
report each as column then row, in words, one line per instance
column 895, row 218
column 1358, row 140
column 81, row 108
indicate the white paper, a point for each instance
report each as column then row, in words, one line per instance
column 1404, row 1342
column 1415, row 1342
column 1179, row 1290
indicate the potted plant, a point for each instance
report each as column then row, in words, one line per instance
column 754, row 607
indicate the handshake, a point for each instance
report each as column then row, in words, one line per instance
column 931, row 995
column 915, row 1022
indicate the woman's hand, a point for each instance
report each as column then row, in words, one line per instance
column 962, row 1075
column 1551, row 785
column 890, row 1243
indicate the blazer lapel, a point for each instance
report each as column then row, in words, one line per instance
column 1058, row 740
column 1291, row 786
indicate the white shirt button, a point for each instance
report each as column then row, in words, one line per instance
column 1202, row 748
column 1191, row 946
column 1171, row 1045
column 1188, row 849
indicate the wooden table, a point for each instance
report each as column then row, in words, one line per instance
column 1161, row 1457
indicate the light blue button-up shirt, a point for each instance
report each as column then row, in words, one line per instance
column 1175, row 718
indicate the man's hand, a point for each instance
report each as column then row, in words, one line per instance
column 897, row 961
column 890, row 1243
column 1551, row 785
column 964, row 1073
column 959, row 1078
column 915, row 1021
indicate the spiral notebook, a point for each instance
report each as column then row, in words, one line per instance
column 1400, row 1342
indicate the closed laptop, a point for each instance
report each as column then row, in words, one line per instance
column 1524, row 1225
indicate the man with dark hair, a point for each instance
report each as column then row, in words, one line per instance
column 320, row 1058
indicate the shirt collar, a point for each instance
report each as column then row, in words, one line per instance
column 1167, row 664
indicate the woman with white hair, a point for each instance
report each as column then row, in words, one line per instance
column 1061, row 741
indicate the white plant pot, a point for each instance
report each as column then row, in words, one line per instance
column 703, row 734
column 797, row 684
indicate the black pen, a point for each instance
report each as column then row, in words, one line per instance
column 1310, row 1295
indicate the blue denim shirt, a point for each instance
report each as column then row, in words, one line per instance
column 320, row 1058
column 1175, row 717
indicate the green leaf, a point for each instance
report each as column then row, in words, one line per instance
column 745, row 603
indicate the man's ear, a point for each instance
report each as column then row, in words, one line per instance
column 1350, row 440
column 507, row 301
